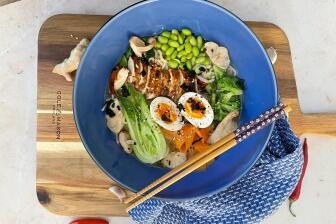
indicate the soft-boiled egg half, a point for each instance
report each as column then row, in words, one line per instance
column 196, row 109
column 166, row 114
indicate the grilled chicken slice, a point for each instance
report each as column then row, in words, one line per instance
column 154, row 81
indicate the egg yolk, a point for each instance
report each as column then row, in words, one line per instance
column 195, row 107
column 165, row 113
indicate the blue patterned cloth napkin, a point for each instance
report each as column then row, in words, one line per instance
column 255, row 196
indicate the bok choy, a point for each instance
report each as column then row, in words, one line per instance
column 150, row 144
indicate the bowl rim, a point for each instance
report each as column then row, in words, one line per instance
column 208, row 3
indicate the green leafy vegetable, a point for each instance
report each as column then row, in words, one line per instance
column 124, row 59
column 224, row 93
column 150, row 144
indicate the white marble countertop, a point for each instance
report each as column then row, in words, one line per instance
column 309, row 24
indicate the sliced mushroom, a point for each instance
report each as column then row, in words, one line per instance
column 151, row 40
column 210, row 48
column 126, row 142
column 118, row 191
column 218, row 55
column 115, row 119
column 71, row 64
column 121, row 78
column 131, row 66
column 231, row 71
column 138, row 46
column 227, row 125
column 174, row 159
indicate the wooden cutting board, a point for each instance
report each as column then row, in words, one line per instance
column 68, row 181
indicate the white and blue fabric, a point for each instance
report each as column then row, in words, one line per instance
column 255, row 196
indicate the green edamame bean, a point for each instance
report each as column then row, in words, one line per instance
column 175, row 31
column 183, row 59
column 173, row 37
column 195, row 51
column 164, row 47
column 193, row 41
column 180, row 38
column 173, row 43
column 186, row 32
column 163, row 40
column 170, row 51
column 189, row 56
column 157, row 44
column 188, row 64
column 180, row 48
column 201, row 55
column 165, row 34
column 206, row 61
column 193, row 61
column 188, row 47
column 199, row 41
column 200, row 60
column 167, row 57
column 173, row 63
column 187, row 40
column 181, row 53
column 173, row 55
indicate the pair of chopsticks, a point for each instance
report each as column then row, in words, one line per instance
column 207, row 155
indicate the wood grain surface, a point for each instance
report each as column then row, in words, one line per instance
column 68, row 181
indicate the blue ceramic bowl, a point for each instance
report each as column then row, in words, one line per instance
column 148, row 18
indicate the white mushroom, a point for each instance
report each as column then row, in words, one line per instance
column 138, row 46
column 174, row 159
column 210, row 48
column 71, row 64
column 218, row 55
column 131, row 66
column 115, row 119
column 226, row 126
column 151, row 40
column 272, row 54
column 121, row 78
column 231, row 71
column 126, row 142
column 118, row 191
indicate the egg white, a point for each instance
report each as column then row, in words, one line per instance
column 208, row 117
column 173, row 126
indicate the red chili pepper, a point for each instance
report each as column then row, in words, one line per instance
column 296, row 193
column 90, row 221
